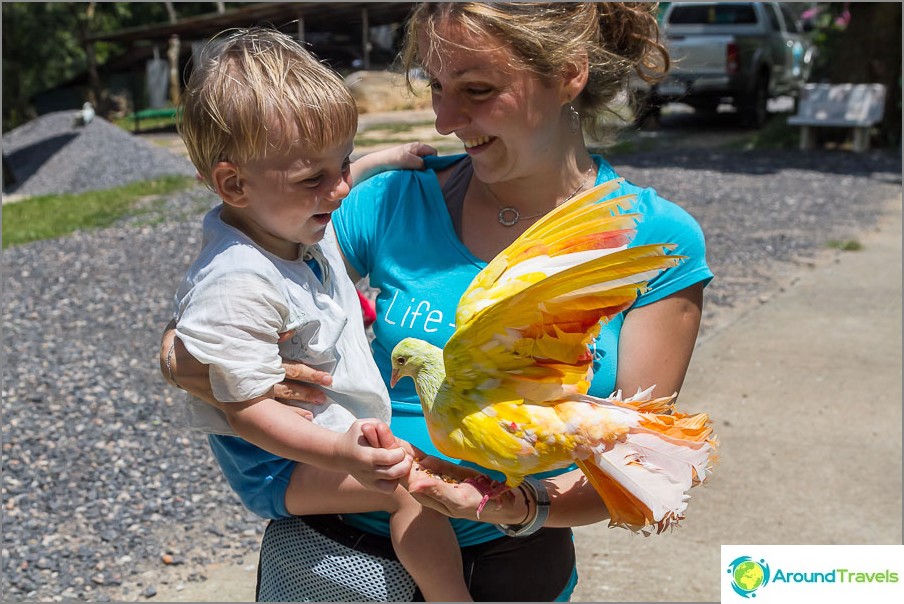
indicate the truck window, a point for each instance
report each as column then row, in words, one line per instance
column 773, row 17
column 790, row 19
column 722, row 13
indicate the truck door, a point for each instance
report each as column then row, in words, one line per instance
column 799, row 68
column 779, row 52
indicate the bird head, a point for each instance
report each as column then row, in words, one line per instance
column 410, row 356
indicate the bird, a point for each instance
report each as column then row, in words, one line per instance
column 85, row 115
column 508, row 391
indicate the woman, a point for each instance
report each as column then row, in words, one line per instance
column 518, row 84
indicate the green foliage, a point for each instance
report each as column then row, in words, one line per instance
column 827, row 36
column 51, row 216
column 43, row 47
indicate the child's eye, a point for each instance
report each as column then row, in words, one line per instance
column 312, row 182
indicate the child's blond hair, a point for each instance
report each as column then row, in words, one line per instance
column 257, row 91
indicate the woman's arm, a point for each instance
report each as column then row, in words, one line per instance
column 657, row 341
column 182, row 370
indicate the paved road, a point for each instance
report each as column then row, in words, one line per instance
column 805, row 392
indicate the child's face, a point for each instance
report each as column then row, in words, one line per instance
column 288, row 199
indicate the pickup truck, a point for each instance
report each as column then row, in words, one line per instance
column 744, row 53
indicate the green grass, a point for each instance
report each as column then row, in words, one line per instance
column 846, row 245
column 398, row 127
column 52, row 216
column 776, row 134
column 152, row 123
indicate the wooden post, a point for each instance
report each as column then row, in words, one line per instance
column 172, row 53
column 861, row 139
column 365, row 37
column 807, row 138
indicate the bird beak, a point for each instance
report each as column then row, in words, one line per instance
column 393, row 378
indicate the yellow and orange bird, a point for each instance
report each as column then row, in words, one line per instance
column 509, row 390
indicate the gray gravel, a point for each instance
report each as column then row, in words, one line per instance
column 99, row 480
column 52, row 154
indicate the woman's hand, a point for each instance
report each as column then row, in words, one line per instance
column 445, row 487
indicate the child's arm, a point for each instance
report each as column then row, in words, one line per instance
column 409, row 156
column 274, row 427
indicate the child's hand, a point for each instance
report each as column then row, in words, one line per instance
column 408, row 156
column 371, row 455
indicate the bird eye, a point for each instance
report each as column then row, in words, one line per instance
column 400, row 360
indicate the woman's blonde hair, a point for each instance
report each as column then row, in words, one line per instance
column 252, row 92
column 620, row 39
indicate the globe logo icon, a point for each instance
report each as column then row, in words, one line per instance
column 748, row 575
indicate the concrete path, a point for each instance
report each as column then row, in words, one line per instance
column 805, row 394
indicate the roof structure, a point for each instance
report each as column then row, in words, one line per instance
column 319, row 16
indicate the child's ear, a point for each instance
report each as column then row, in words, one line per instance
column 228, row 184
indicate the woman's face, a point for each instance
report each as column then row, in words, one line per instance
column 508, row 119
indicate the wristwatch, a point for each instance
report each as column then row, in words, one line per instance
column 541, row 511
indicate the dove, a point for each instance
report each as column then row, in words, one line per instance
column 509, row 389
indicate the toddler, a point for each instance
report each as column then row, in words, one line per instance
column 270, row 130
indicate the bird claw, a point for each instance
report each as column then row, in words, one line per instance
column 490, row 489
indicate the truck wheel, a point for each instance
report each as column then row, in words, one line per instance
column 753, row 109
column 705, row 106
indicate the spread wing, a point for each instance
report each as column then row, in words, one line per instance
column 525, row 324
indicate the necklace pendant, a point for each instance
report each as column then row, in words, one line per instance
column 509, row 216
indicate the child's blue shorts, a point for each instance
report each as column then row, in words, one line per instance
column 259, row 478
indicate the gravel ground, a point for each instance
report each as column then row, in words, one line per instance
column 51, row 154
column 105, row 497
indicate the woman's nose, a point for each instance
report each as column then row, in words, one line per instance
column 450, row 114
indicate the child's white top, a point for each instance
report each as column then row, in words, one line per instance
column 237, row 297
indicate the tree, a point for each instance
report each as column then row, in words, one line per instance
column 858, row 44
column 874, row 31
column 43, row 45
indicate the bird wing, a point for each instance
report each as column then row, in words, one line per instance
column 524, row 326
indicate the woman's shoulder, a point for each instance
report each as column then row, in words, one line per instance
column 382, row 193
column 658, row 219
column 655, row 211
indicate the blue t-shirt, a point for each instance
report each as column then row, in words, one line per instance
column 395, row 228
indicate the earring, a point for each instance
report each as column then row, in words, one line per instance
column 574, row 118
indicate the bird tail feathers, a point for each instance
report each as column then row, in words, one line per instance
column 645, row 477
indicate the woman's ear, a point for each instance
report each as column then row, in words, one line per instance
column 575, row 77
column 228, row 184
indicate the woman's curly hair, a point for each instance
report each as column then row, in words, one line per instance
column 621, row 41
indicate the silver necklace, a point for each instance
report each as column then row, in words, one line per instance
column 509, row 216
